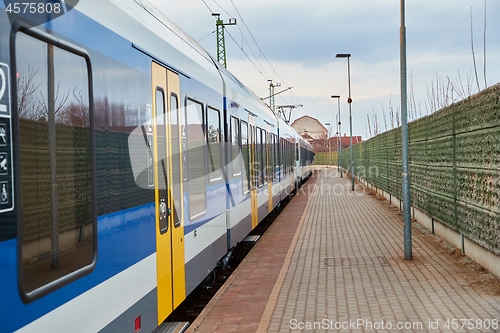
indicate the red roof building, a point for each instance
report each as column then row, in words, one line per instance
column 344, row 141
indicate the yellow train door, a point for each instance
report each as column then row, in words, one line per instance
column 167, row 134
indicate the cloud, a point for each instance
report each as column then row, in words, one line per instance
column 300, row 39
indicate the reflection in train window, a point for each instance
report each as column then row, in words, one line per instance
column 272, row 157
column 257, row 167
column 196, row 153
column 176, row 157
column 55, row 155
column 245, row 152
column 214, row 144
column 161, row 143
column 264, row 157
column 282, row 156
column 235, row 146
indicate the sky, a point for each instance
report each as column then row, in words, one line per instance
column 294, row 43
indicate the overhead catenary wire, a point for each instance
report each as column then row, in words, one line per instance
column 222, row 8
column 207, row 6
column 199, row 40
column 251, row 61
column 258, row 46
column 259, row 68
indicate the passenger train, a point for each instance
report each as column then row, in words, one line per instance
column 131, row 162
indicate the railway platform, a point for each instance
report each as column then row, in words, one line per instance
column 333, row 261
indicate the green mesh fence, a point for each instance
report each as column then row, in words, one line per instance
column 326, row 158
column 454, row 157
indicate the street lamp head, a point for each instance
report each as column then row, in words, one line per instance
column 343, row 55
column 335, row 96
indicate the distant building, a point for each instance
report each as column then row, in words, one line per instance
column 313, row 131
column 311, row 126
column 317, row 134
column 344, row 141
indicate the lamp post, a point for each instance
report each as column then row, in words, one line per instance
column 339, row 141
column 328, row 138
column 349, row 101
column 405, row 186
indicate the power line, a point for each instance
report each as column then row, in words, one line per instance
column 199, row 40
column 257, row 44
column 234, row 40
column 241, row 48
column 247, row 56
column 261, row 70
column 207, row 6
column 222, row 8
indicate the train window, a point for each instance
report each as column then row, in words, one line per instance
column 285, row 156
column 161, row 153
column 287, row 152
column 281, row 155
column 214, row 144
column 176, row 157
column 297, row 153
column 258, row 158
column 276, row 156
column 196, row 152
column 235, row 146
column 57, row 163
column 270, row 160
column 290, row 157
column 245, row 153
column 264, row 156
column 251, row 135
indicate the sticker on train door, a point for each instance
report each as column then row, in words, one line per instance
column 6, row 164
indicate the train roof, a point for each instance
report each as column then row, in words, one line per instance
column 151, row 32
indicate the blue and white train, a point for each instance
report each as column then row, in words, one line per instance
column 130, row 163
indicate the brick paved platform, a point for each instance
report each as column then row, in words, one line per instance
column 333, row 262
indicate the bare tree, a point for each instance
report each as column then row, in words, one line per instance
column 34, row 106
column 484, row 48
column 41, row 107
column 472, row 47
column 385, row 117
column 391, row 113
column 375, row 123
column 26, row 90
column 76, row 113
column 369, row 126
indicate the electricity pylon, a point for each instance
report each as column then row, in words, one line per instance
column 282, row 113
column 221, row 44
column 271, row 93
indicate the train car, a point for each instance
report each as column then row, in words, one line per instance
column 305, row 159
column 131, row 162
